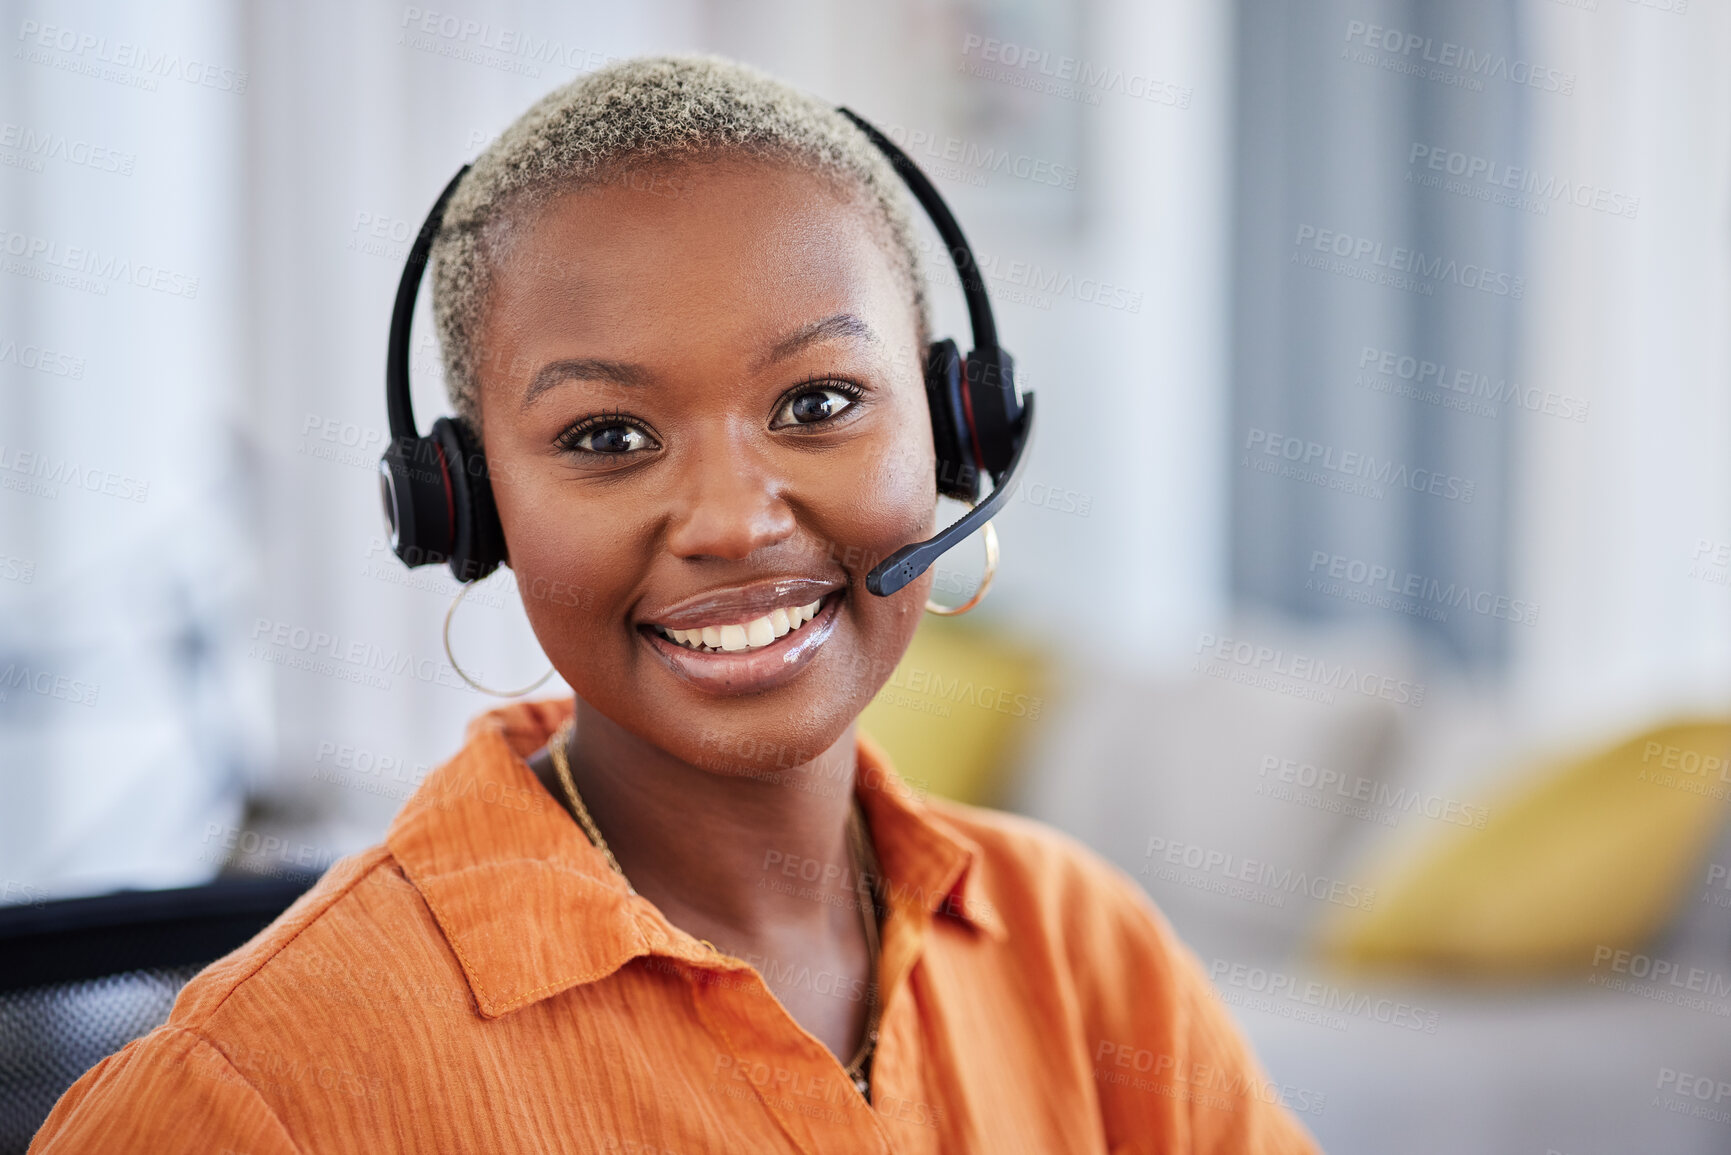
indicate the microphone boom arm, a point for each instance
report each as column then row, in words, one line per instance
column 910, row 561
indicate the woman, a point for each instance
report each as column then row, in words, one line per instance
column 681, row 307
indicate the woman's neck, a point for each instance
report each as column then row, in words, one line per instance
column 747, row 858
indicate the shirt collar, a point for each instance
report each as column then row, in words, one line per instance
column 531, row 908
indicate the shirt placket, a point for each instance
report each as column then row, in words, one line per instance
column 763, row 1053
column 901, row 1080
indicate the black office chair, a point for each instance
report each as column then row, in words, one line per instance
column 81, row 978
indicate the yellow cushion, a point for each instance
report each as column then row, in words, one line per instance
column 1593, row 851
column 958, row 709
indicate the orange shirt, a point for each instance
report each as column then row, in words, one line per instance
column 483, row 982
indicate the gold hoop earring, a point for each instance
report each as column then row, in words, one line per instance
column 451, row 613
column 991, row 536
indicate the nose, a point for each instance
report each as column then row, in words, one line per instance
column 731, row 502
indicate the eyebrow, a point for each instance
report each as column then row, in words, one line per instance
column 585, row 369
column 556, row 373
column 840, row 325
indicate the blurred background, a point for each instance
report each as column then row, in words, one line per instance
column 1367, row 595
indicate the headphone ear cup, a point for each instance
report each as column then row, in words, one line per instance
column 478, row 544
column 958, row 472
column 415, row 485
column 994, row 407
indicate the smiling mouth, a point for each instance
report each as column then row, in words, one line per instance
column 743, row 637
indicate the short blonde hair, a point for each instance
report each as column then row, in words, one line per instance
column 648, row 111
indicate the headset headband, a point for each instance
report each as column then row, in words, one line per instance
column 987, row 364
column 1007, row 419
column 399, row 407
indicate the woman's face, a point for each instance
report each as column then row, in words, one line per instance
column 702, row 412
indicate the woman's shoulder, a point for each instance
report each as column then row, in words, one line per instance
column 1164, row 1053
column 361, row 942
column 285, row 1015
column 1031, row 870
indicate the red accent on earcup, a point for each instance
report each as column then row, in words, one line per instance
column 973, row 430
column 450, row 498
column 477, row 540
column 958, row 475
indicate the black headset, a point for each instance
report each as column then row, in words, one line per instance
column 439, row 500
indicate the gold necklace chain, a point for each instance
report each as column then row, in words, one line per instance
column 865, row 877
column 556, row 748
column 865, row 873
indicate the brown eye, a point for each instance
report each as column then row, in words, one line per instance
column 611, row 439
column 811, row 406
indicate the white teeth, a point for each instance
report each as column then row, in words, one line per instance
column 752, row 635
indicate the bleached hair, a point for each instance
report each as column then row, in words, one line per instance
column 652, row 111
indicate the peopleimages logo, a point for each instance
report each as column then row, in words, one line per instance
column 47, row 684
column 1256, row 872
column 493, row 45
column 55, row 364
column 234, row 842
column 1684, row 1086
column 1711, row 562
column 41, row 475
column 1349, row 469
column 1518, row 186
column 81, row 262
column 1455, row 387
column 1031, row 283
column 1398, row 266
column 35, row 146
column 1696, row 980
column 1070, row 77
column 984, row 160
column 1377, row 578
column 1302, row 675
column 1682, row 768
column 353, row 660
column 1661, row 980
column 1358, row 796
column 1209, row 1085
column 1456, row 64
column 137, row 65
column 1332, row 1003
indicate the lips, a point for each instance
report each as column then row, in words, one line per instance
column 725, row 649
column 739, row 605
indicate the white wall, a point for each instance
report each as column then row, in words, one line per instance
column 127, row 712
column 1633, row 315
